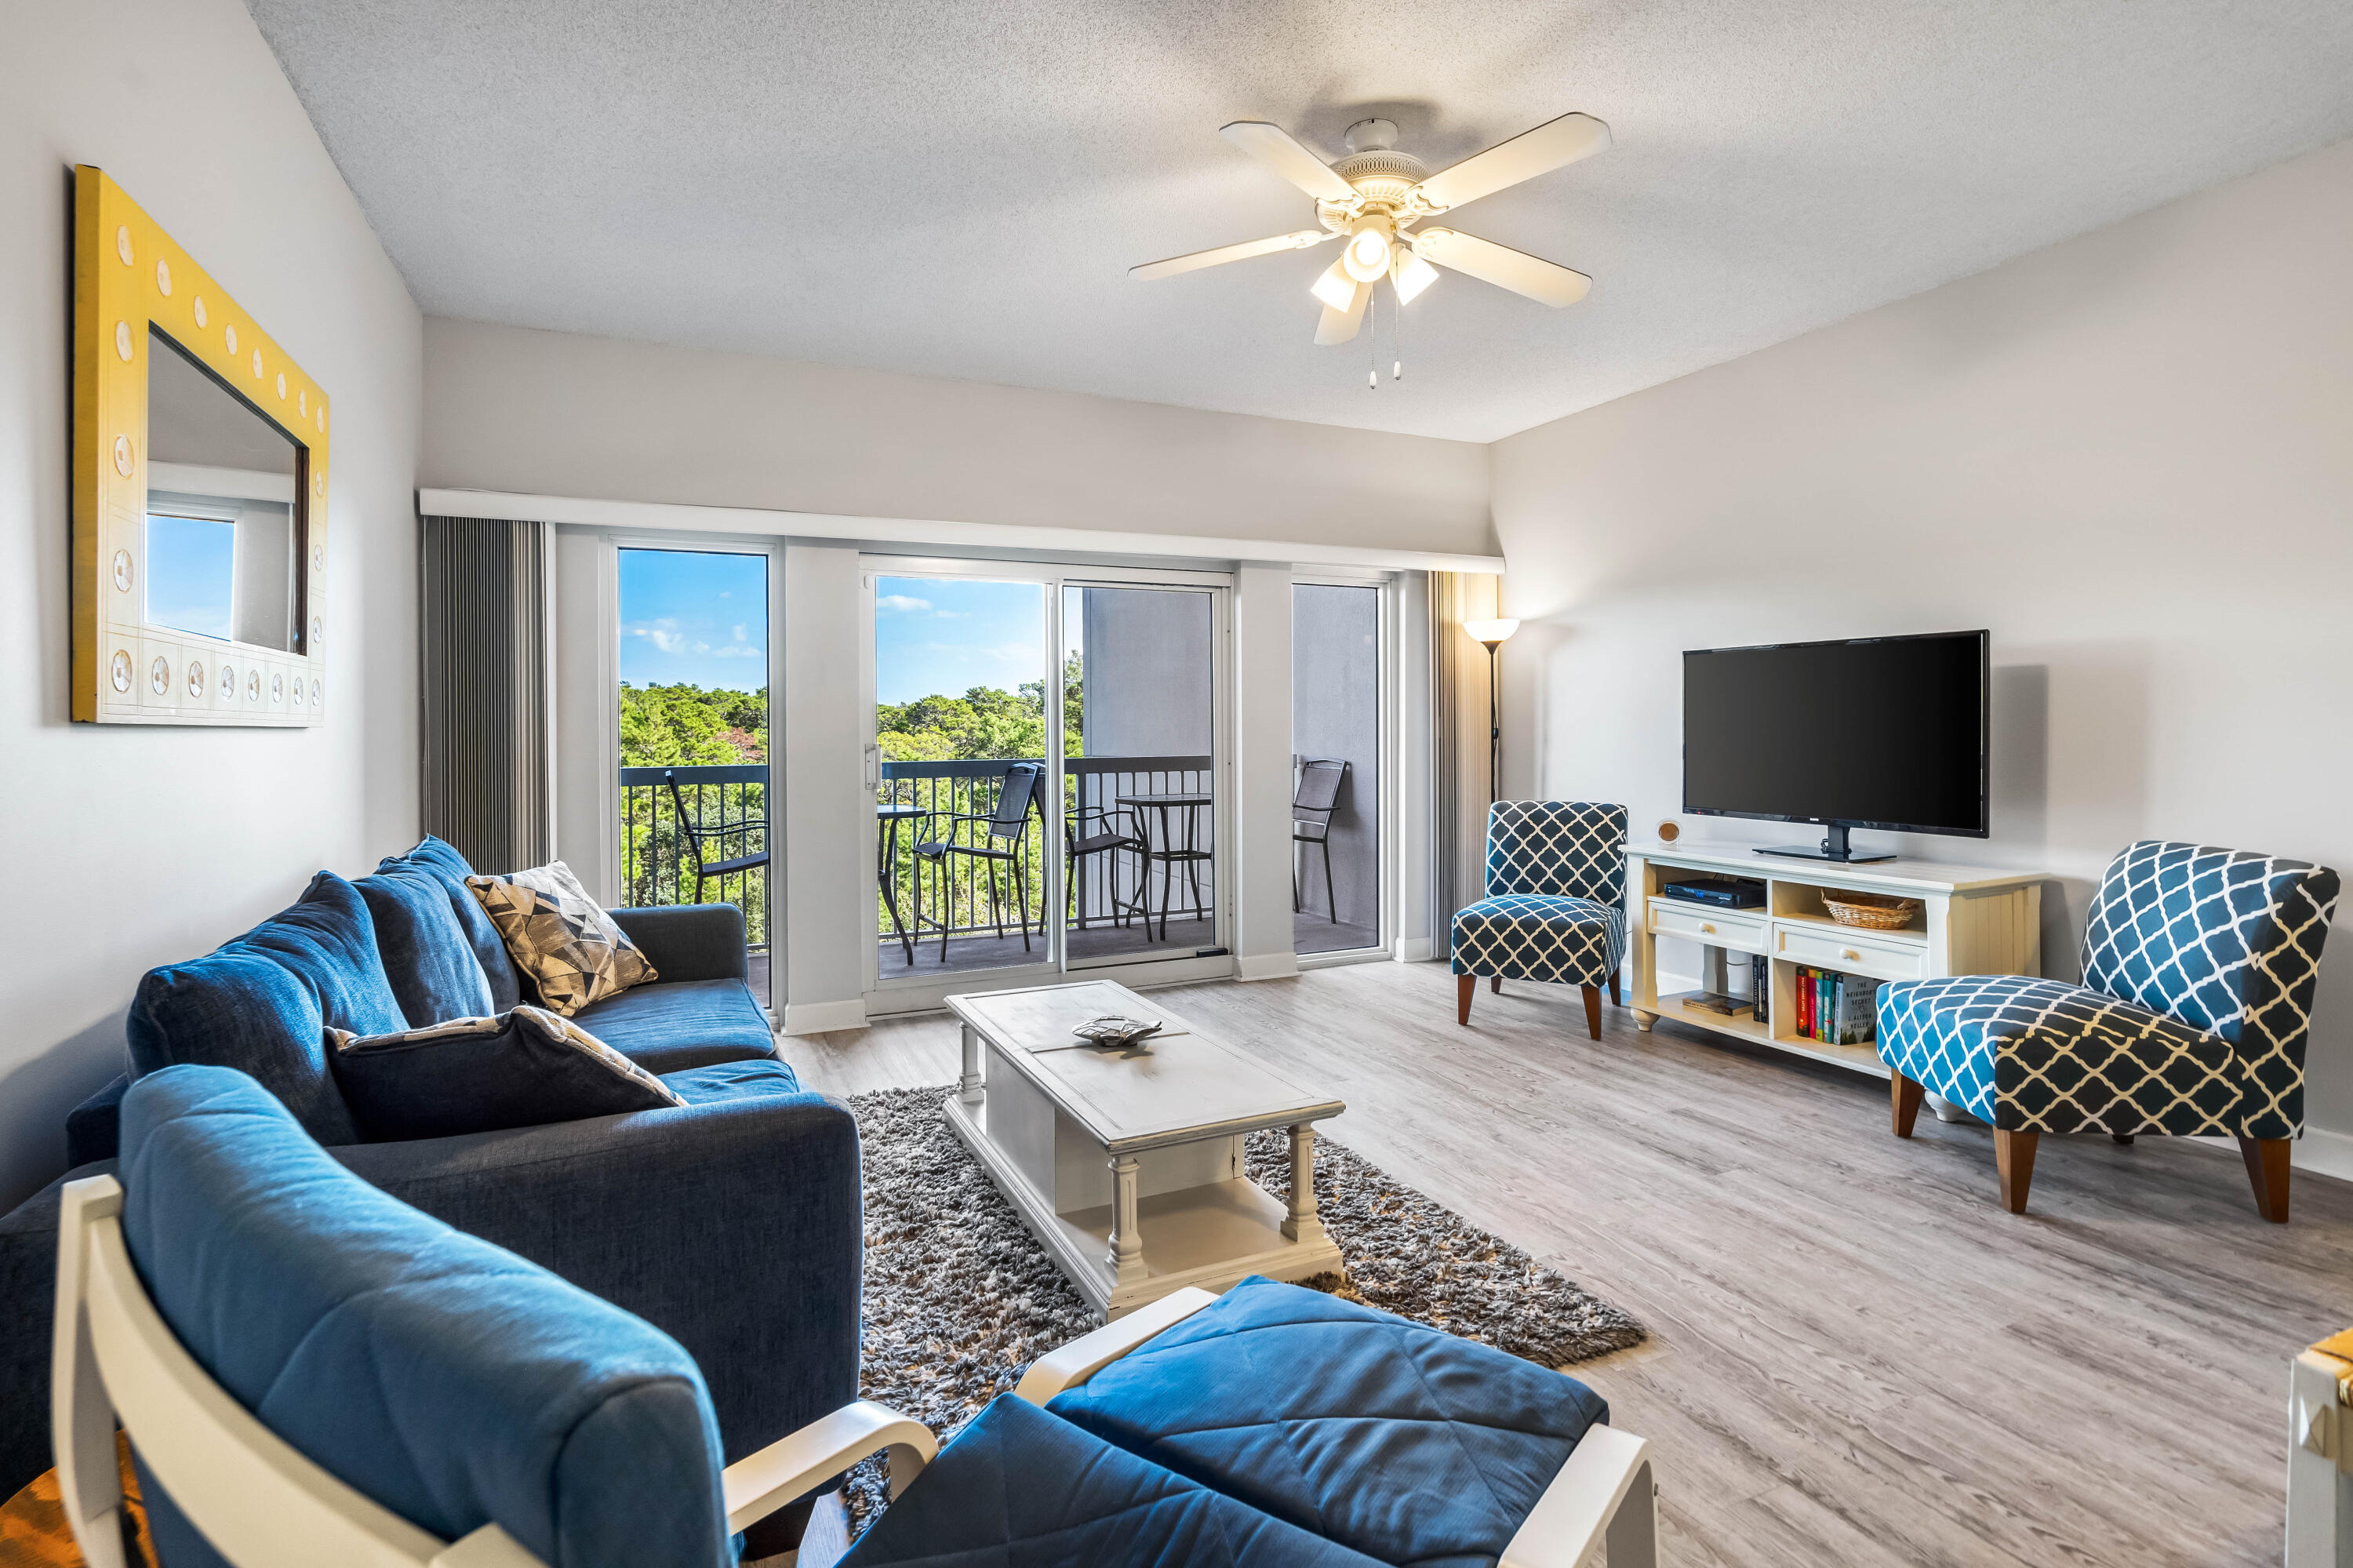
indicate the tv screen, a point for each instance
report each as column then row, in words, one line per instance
column 1882, row 732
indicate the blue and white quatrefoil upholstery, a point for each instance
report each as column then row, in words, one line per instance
column 1555, row 908
column 2198, row 971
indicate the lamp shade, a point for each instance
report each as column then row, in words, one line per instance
column 1491, row 632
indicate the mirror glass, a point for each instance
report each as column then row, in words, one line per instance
column 225, row 509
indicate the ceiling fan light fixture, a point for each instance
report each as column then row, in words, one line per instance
column 1337, row 287
column 1411, row 275
column 1368, row 255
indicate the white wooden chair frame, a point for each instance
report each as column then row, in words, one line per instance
column 1606, row 1491
column 263, row 1504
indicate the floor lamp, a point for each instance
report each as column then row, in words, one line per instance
column 1492, row 635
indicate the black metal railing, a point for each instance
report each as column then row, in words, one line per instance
column 956, row 891
column 725, row 818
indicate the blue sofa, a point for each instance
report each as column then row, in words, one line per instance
column 733, row 1223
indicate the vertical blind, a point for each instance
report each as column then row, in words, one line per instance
column 488, row 624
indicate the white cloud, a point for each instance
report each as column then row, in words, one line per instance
column 900, row 603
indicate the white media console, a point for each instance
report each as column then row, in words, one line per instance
column 1971, row 921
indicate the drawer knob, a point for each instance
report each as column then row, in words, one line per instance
column 1850, row 953
column 1705, row 926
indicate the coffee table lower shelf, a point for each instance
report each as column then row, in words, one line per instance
column 1211, row 1236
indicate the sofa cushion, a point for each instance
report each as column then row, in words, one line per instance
column 434, row 973
column 444, row 863
column 683, row 1023
column 751, row 1079
column 561, row 937
column 527, row 1068
column 1408, row 1445
column 263, row 1003
column 1017, row 1489
column 445, row 1378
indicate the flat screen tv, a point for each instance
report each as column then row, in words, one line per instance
column 1879, row 732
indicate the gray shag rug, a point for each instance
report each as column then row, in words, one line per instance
column 960, row 1298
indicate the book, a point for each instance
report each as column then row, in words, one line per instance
column 1760, row 978
column 1805, row 997
column 1858, row 1011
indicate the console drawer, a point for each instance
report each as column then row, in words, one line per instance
column 1743, row 929
column 1855, row 952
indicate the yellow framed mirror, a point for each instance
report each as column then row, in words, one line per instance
column 200, row 490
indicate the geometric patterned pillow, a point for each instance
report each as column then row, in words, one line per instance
column 525, row 1068
column 560, row 937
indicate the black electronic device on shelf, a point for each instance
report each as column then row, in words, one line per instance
column 1718, row 892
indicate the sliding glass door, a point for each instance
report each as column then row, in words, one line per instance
column 1044, row 768
column 1338, row 748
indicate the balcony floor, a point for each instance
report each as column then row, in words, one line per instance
column 1310, row 932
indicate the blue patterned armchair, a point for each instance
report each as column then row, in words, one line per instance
column 1556, row 903
column 2198, row 971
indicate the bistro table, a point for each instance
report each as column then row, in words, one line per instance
column 1167, row 850
column 886, row 865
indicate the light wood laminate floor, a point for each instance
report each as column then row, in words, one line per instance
column 1858, row 1357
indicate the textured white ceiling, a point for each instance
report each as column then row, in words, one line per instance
column 956, row 189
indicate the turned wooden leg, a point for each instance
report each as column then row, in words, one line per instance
column 1465, row 987
column 1614, row 1001
column 1300, row 1223
column 1905, row 1094
column 2013, row 1162
column 2267, row 1160
column 1496, row 985
column 1593, row 1011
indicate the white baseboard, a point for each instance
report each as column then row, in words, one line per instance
column 2324, row 1153
column 1416, row 950
column 824, row 1017
column 1266, row 966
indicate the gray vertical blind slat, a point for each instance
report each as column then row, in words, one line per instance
column 486, row 642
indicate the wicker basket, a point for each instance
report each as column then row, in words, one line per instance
column 1871, row 911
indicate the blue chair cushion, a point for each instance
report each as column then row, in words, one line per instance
column 445, row 1378
column 264, row 1003
column 526, row 1068
column 2041, row 1055
column 672, row 1025
column 1017, row 1489
column 757, row 1079
column 1408, row 1445
column 432, row 968
column 1540, row 936
column 445, row 866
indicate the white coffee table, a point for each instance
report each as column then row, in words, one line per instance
column 1128, row 1165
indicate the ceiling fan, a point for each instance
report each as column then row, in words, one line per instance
column 1375, row 197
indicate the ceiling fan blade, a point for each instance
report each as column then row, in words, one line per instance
column 1547, row 282
column 1225, row 253
column 1524, row 157
column 1339, row 326
column 1274, row 146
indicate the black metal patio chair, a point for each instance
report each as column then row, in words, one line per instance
column 691, row 833
column 1313, row 802
column 993, row 838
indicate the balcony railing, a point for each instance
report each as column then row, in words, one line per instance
column 726, row 818
column 957, row 891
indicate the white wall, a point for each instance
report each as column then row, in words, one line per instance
column 2130, row 455
column 556, row 414
column 128, row 846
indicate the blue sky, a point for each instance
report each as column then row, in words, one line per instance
column 191, row 568
column 943, row 636
column 695, row 618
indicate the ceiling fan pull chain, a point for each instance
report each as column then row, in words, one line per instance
column 1372, row 339
column 1396, row 336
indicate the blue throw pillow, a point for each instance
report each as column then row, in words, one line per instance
column 447, row 1378
column 479, row 1074
column 262, row 1003
column 432, row 969
column 445, row 866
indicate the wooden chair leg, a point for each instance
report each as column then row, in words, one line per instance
column 2013, row 1162
column 1593, row 1011
column 1465, row 988
column 1614, row 1001
column 2123, row 1138
column 1904, row 1092
column 1496, row 985
column 2267, row 1160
